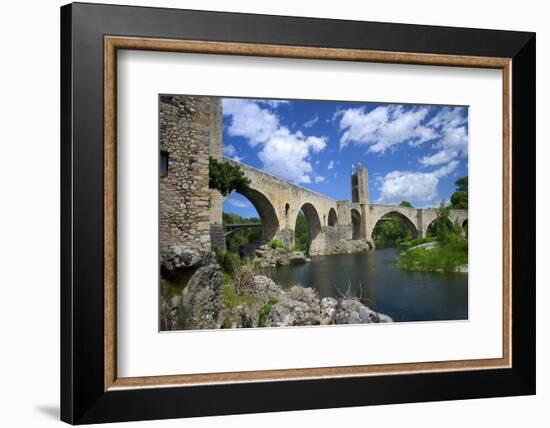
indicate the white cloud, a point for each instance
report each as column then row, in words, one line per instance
column 387, row 126
column 286, row 155
column 319, row 179
column 446, row 170
column 249, row 120
column 331, row 165
column 449, row 116
column 384, row 127
column 273, row 103
column 450, row 123
column 312, row 121
column 440, row 157
column 397, row 186
column 239, row 204
column 283, row 153
column 229, row 150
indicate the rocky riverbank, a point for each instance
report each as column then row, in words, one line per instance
column 249, row 300
column 351, row 246
column 265, row 256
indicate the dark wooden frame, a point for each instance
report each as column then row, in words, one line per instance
column 88, row 35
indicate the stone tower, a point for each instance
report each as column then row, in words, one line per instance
column 359, row 184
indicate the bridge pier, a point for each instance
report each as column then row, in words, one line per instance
column 287, row 235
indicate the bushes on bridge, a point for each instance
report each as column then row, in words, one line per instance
column 226, row 177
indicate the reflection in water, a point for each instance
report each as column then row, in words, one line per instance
column 405, row 296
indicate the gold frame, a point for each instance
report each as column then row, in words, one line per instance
column 113, row 43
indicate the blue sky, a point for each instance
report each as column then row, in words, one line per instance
column 412, row 152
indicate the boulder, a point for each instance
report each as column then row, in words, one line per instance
column 245, row 317
column 244, row 282
column 352, row 311
column 262, row 290
column 266, row 256
column 183, row 257
column 265, row 288
column 346, row 246
column 328, row 310
column 296, row 257
column 203, row 298
column 305, row 295
column 288, row 312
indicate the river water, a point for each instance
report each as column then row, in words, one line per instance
column 405, row 296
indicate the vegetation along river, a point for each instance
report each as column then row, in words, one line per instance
column 405, row 296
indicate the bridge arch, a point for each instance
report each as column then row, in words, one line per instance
column 410, row 223
column 431, row 225
column 266, row 211
column 332, row 218
column 315, row 229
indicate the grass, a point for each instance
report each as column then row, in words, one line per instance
column 446, row 258
column 232, row 299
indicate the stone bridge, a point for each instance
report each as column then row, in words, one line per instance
column 417, row 219
column 330, row 222
column 191, row 213
column 278, row 203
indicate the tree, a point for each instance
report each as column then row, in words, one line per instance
column 442, row 223
column 240, row 237
column 445, row 231
column 301, row 233
column 462, row 184
column 226, row 177
column 405, row 204
column 391, row 231
column 459, row 199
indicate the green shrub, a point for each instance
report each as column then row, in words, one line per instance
column 229, row 262
column 277, row 243
column 226, row 177
column 265, row 310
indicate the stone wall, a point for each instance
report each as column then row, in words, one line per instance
column 217, row 236
column 185, row 129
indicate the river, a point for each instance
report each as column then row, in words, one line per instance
column 405, row 296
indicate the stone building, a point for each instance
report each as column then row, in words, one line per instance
column 186, row 128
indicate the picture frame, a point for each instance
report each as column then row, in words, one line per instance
column 91, row 391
